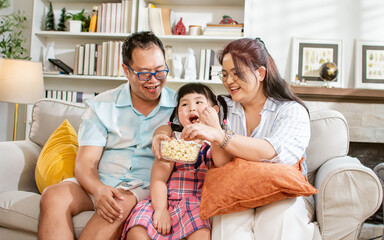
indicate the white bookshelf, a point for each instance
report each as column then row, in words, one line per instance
column 197, row 12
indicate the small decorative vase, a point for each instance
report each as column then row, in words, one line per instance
column 75, row 26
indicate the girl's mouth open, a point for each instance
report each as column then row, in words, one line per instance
column 194, row 119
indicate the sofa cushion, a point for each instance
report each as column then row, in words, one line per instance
column 242, row 184
column 48, row 114
column 328, row 127
column 20, row 210
column 57, row 159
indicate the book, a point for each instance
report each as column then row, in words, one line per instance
column 99, row 18
column 113, row 18
column 80, row 68
column 108, row 17
column 92, row 58
column 118, row 18
column 86, row 58
column 76, row 60
column 225, row 25
column 115, row 64
column 209, row 61
column 142, row 18
column 133, row 14
column 202, row 64
column 110, row 58
column 98, row 59
column 155, row 21
column 104, row 17
column 222, row 33
column 120, row 65
column 104, row 56
column 166, row 20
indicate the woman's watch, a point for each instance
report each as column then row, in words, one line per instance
column 228, row 136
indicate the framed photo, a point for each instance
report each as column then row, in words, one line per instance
column 369, row 67
column 307, row 57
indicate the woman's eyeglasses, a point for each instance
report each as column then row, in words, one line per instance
column 145, row 76
column 224, row 76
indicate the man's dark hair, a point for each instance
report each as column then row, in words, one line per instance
column 141, row 40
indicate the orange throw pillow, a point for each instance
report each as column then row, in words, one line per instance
column 242, row 184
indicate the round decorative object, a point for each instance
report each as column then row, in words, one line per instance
column 328, row 72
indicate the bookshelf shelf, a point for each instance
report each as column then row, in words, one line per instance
column 123, row 79
column 197, row 2
column 122, row 36
column 196, row 12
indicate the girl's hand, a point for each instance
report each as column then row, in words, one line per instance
column 162, row 221
column 210, row 117
column 156, row 143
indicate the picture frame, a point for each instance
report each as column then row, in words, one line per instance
column 369, row 65
column 307, row 57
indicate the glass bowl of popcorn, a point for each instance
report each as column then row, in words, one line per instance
column 180, row 151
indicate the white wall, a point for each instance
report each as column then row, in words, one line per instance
column 6, row 109
column 277, row 21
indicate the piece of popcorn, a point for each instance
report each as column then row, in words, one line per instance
column 180, row 151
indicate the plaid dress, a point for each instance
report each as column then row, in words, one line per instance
column 184, row 196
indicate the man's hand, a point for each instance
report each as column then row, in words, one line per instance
column 162, row 221
column 106, row 204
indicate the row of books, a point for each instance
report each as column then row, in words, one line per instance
column 207, row 57
column 103, row 59
column 224, row 30
column 117, row 17
column 70, row 96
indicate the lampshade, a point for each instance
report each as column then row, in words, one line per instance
column 21, row 81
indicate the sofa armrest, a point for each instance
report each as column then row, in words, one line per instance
column 18, row 161
column 348, row 194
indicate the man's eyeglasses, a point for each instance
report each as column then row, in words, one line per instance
column 145, row 76
column 224, row 76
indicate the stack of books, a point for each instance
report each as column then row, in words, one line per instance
column 207, row 59
column 70, row 96
column 215, row 70
column 103, row 59
column 224, row 30
column 117, row 17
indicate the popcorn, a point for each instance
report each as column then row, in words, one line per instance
column 180, row 151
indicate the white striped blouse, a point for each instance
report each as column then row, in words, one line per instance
column 285, row 125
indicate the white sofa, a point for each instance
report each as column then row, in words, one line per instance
column 348, row 191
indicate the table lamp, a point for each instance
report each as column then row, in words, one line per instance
column 21, row 82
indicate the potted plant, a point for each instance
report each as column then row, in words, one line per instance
column 77, row 22
column 11, row 38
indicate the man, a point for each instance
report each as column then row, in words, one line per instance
column 115, row 140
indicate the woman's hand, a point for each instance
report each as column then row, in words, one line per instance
column 202, row 132
column 106, row 205
column 162, row 221
column 210, row 117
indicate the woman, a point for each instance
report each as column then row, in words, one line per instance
column 267, row 122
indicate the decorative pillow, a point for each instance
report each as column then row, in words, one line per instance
column 57, row 158
column 241, row 184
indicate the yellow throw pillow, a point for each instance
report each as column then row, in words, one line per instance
column 57, row 159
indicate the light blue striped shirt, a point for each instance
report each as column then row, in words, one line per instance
column 112, row 122
column 285, row 125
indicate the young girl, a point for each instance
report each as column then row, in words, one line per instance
column 172, row 210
